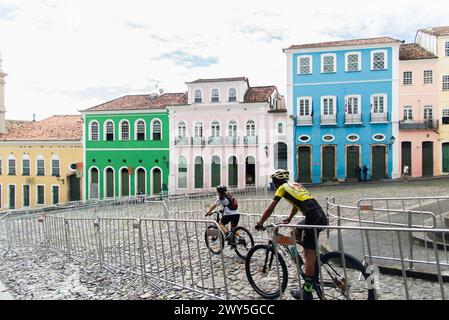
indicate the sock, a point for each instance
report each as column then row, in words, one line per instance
column 308, row 285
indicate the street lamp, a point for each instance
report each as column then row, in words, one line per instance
column 392, row 140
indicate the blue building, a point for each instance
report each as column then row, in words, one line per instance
column 343, row 99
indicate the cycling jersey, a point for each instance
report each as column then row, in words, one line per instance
column 298, row 196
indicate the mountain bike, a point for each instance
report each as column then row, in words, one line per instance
column 239, row 238
column 338, row 279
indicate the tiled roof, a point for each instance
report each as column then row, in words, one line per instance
column 141, row 102
column 437, row 31
column 55, row 128
column 344, row 43
column 412, row 51
column 259, row 94
column 219, row 80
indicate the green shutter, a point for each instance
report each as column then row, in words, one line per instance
column 12, row 197
column 445, row 157
column 216, row 172
column 199, row 173
column 40, row 195
column 26, row 196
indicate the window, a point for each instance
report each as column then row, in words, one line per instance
column 408, row 113
column 26, row 195
column 55, row 171
column 446, row 116
column 304, row 138
column 446, row 49
column 109, row 131
column 352, row 105
column 26, row 166
column 378, row 104
column 328, row 138
column 305, row 65
column 328, row 63
column 428, row 113
column 280, row 128
column 379, row 60
column 232, row 95
column 250, row 128
column 428, row 76
column 232, row 128
column 353, row 62
column 182, row 129
column 140, row 130
column 305, row 106
column 182, row 172
column 40, row 194
column 408, row 78
column 215, row 97
column 124, row 131
column 378, row 137
column 446, row 82
column 198, row 130
column 215, row 129
column 11, row 165
column 198, row 96
column 353, row 137
column 157, row 130
column 94, row 133
column 328, row 106
column 40, row 167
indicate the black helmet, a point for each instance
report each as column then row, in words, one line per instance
column 222, row 189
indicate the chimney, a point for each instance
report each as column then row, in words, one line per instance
column 2, row 99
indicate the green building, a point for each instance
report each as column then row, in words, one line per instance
column 126, row 146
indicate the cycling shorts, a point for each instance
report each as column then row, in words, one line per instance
column 233, row 218
column 315, row 217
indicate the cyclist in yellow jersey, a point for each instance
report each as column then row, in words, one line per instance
column 302, row 201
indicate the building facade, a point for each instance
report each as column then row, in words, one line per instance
column 227, row 133
column 436, row 40
column 126, row 146
column 343, row 99
column 418, row 109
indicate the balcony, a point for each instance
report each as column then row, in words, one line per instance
column 232, row 140
column 328, row 120
column 422, row 125
column 304, row 121
column 353, row 118
column 216, row 141
column 379, row 117
column 250, row 140
column 198, row 141
column 181, row 141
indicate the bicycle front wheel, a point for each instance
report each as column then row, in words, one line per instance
column 214, row 239
column 343, row 281
column 264, row 271
column 243, row 241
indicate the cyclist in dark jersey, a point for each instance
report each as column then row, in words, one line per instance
column 302, row 201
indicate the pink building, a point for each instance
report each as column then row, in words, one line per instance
column 226, row 133
column 418, row 109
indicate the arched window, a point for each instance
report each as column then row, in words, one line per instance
column 140, row 130
column 124, row 131
column 250, row 128
column 198, row 96
column 26, row 165
column 215, row 96
column 198, row 129
column 182, row 172
column 94, row 131
column 157, row 130
column 182, row 131
column 232, row 95
column 40, row 165
column 109, row 131
column 280, row 128
column 55, row 168
column 11, row 165
column 232, row 128
column 215, row 129
column 199, row 173
column 280, row 156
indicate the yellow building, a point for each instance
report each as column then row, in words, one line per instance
column 436, row 40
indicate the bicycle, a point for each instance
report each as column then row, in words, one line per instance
column 239, row 238
column 261, row 265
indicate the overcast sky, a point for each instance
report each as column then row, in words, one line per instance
column 64, row 55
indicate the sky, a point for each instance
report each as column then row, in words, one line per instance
column 62, row 56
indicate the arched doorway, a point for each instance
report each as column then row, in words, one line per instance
column 110, row 183
column 124, row 182
column 157, row 180
column 353, row 163
column 199, row 173
column 379, row 162
column 93, row 190
column 280, row 156
column 141, row 185
column 427, row 159
column 215, row 171
column 328, row 163
column 233, row 172
column 250, row 170
column 445, row 157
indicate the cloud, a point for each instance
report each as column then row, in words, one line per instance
column 185, row 59
column 8, row 12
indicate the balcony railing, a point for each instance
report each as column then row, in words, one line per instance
column 232, row 140
column 198, row 141
column 181, row 141
column 421, row 125
column 304, row 121
column 327, row 120
column 215, row 141
column 379, row 117
column 248, row 140
column 353, row 118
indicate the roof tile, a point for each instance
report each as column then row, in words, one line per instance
column 344, row 43
column 437, row 31
column 412, row 51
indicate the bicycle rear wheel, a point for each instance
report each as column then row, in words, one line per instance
column 214, row 240
column 243, row 241
column 339, row 284
column 262, row 271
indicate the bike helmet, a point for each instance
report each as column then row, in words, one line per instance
column 222, row 189
column 280, row 174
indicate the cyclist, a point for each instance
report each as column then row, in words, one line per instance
column 302, row 201
column 229, row 215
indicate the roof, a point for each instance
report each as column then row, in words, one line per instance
column 412, row 51
column 142, row 102
column 259, row 94
column 219, row 80
column 345, row 43
column 436, row 31
column 55, row 128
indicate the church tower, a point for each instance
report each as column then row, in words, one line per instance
column 2, row 99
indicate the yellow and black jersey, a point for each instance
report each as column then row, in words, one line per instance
column 298, row 196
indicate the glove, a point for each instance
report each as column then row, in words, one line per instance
column 259, row 227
